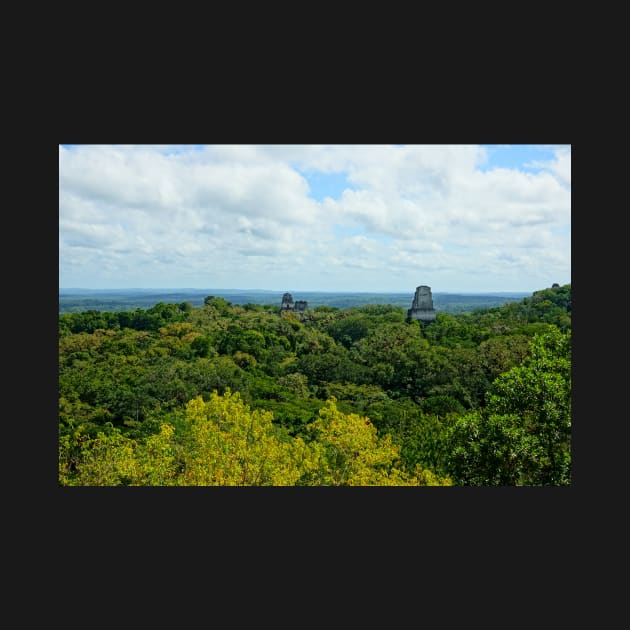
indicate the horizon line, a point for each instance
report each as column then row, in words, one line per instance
column 456, row 291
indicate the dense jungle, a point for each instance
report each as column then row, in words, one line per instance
column 246, row 395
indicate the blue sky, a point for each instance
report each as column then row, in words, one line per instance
column 324, row 185
column 315, row 217
column 519, row 156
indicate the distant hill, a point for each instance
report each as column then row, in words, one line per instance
column 114, row 300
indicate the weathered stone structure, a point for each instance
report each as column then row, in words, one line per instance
column 288, row 304
column 422, row 305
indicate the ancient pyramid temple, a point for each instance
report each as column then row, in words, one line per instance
column 287, row 302
column 422, row 305
column 289, row 305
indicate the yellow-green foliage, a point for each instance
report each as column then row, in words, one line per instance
column 224, row 443
column 104, row 460
column 228, row 445
column 156, row 458
column 353, row 454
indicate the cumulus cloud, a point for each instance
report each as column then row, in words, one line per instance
column 560, row 166
column 244, row 216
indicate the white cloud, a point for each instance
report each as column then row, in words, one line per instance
column 241, row 216
column 560, row 166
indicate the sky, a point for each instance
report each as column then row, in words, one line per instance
column 381, row 218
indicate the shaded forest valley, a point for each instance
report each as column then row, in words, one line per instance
column 240, row 394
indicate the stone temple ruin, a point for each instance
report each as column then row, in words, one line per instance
column 422, row 305
column 299, row 306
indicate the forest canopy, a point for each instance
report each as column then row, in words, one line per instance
column 224, row 394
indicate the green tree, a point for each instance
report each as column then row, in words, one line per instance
column 226, row 443
column 523, row 436
column 351, row 453
column 106, row 459
column 219, row 304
